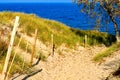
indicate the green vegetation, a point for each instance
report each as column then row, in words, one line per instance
column 23, row 44
column 107, row 52
column 95, row 37
column 3, row 50
column 62, row 33
column 18, row 62
column 19, row 65
column 42, row 57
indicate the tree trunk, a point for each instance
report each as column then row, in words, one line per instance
column 115, row 24
column 116, row 28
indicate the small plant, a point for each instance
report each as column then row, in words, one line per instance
column 60, row 52
column 42, row 57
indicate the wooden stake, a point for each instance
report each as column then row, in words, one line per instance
column 10, row 48
column 13, row 59
column 53, row 46
column 33, row 49
column 85, row 40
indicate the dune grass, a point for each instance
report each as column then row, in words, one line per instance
column 17, row 66
column 62, row 34
column 108, row 52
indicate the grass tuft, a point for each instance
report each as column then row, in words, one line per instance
column 108, row 52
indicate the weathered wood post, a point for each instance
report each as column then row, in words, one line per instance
column 10, row 48
column 85, row 41
column 53, row 46
column 33, row 48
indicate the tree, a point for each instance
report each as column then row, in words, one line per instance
column 105, row 10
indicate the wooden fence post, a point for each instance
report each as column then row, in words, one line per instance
column 85, row 40
column 10, row 48
column 33, row 48
column 53, row 46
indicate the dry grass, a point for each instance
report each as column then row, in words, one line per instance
column 62, row 34
column 109, row 51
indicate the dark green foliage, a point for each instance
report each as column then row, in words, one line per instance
column 95, row 37
column 3, row 48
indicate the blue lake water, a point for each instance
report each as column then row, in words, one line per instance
column 66, row 13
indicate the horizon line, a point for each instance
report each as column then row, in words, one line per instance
column 36, row 2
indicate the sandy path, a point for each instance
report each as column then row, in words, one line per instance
column 73, row 66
